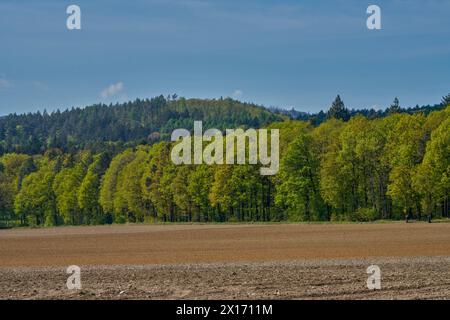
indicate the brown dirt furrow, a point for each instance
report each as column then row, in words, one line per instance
column 147, row 244
column 401, row 278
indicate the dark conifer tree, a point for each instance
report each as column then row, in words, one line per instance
column 338, row 110
column 446, row 100
column 395, row 107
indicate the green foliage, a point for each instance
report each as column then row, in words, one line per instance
column 109, row 186
column 35, row 203
column 366, row 215
column 117, row 127
column 114, row 128
column 199, row 186
column 405, row 152
column 156, row 182
column 129, row 203
column 299, row 190
column 356, row 170
column 432, row 177
column 66, row 187
column 89, row 191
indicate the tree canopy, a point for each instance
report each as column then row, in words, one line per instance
column 359, row 170
column 355, row 168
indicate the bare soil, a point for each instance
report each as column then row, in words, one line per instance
column 274, row 261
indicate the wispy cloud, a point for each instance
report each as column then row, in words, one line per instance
column 112, row 90
column 237, row 93
column 40, row 85
column 4, row 84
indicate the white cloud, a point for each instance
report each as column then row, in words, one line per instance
column 112, row 90
column 40, row 86
column 237, row 93
column 4, row 84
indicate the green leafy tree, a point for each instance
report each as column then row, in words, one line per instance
column 13, row 168
column 66, row 187
column 199, row 186
column 89, row 191
column 406, row 149
column 129, row 202
column 220, row 195
column 299, row 191
column 180, row 191
column 432, row 178
column 35, row 203
column 109, row 185
column 156, row 182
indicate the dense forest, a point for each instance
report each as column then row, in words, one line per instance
column 116, row 127
column 60, row 169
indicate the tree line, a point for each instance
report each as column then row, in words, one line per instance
column 113, row 128
column 321, row 116
column 356, row 170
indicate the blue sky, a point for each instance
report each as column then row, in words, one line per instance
column 278, row 53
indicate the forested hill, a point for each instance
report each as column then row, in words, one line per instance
column 114, row 127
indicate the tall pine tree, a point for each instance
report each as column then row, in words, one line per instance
column 338, row 110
